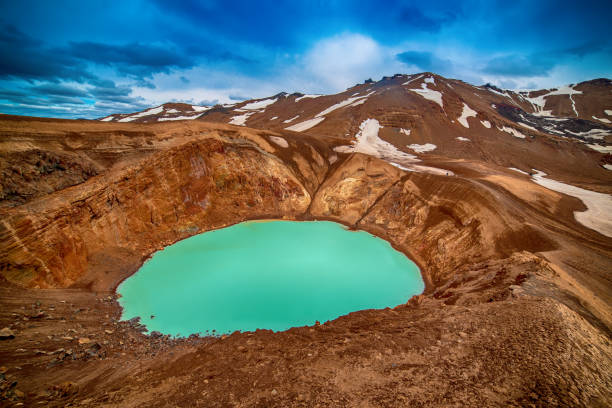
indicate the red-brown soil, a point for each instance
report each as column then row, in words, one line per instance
column 516, row 310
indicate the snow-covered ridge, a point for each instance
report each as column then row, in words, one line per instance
column 319, row 117
column 162, row 113
column 539, row 102
column 179, row 118
column 413, row 79
column 259, row 104
column 306, row 96
column 148, row 112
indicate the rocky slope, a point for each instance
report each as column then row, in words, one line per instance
column 457, row 118
column 517, row 303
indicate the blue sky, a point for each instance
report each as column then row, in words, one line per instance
column 74, row 58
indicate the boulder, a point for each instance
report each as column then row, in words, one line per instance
column 6, row 334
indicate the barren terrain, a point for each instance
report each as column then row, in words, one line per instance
column 516, row 310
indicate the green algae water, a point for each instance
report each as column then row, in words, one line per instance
column 267, row 275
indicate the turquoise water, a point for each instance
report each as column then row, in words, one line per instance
column 267, row 275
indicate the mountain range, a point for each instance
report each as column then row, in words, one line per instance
column 427, row 113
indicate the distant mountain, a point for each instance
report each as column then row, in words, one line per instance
column 429, row 114
column 165, row 112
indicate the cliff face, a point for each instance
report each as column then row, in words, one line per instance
column 206, row 177
column 197, row 186
column 510, row 274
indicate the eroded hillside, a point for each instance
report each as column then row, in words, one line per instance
column 516, row 308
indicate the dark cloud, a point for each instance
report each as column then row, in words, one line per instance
column 11, row 93
column 520, row 65
column 238, row 98
column 133, row 59
column 28, row 97
column 27, row 58
column 64, row 100
column 33, row 60
column 115, row 94
column 426, row 61
column 582, row 50
column 58, row 89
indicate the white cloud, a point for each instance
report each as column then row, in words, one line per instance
column 329, row 66
column 342, row 61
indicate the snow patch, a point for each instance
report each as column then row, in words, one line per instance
column 369, row 143
column 359, row 102
column 608, row 166
column 274, row 118
column 599, row 205
column 553, row 130
column 429, row 94
column 527, row 126
column 172, row 111
column 430, row 80
column 306, row 96
column 279, row 141
column 202, row 108
column 411, row 80
column 342, row 104
column 291, row 120
column 604, row 120
column 498, row 93
column 422, row 148
column 307, row 124
column 608, row 112
column 466, row 113
column 513, row 132
column 539, row 102
column 259, row 104
column 148, row 112
column 107, row 119
column 463, row 139
column 519, row 170
column 192, row 117
column 591, row 134
column 600, row 148
column 486, row 124
column 405, row 131
column 240, row 120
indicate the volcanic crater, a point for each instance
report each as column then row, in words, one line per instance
column 516, row 307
